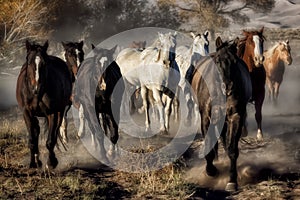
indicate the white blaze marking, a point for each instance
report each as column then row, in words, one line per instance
column 77, row 53
column 257, row 50
column 102, row 60
column 37, row 62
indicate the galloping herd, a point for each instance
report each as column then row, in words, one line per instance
column 222, row 82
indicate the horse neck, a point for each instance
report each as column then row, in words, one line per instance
column 248, row 59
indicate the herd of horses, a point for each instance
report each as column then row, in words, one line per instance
column 47, row 86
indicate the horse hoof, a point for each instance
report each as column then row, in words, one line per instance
column 211, row 171
column 163, row 132
column 231, row 187
column 39, row 164
column 259, row 137
column 52, row 162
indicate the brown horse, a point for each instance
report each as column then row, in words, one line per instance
column 275, row 60
column 250, row 49
column 222, row 86
column 43, row 90
column 74, row 56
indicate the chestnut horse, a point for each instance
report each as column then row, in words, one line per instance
column 275, row 60
column 223, row 88
column 44, row 88
column 251, row 49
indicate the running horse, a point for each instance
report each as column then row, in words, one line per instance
column 251, row 49
column 74, row 56
column 185, row 57
column 275, row 60
column 222, row 85
column 98, row 91
column 43, row 89
column 153, row 69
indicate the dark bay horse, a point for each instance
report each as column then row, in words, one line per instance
column 96, row 93
column 222, row 85
column 74, row 56
column 251, row 49
column 275, row 60
column 43, row 90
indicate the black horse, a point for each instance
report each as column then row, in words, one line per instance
column 96, row 92
column 222, row 97
column 43, row 90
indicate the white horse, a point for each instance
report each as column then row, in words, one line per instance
column 150, row 69
column 186, row 56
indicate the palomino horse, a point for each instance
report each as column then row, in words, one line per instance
column 43, row 90
column 153, row 69
column 251, row 49
column 275, row 60
column 185, row 57
column 94, row 91
column 74, row 56
column 223, row 87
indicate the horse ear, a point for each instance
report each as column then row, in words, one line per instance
column 236, row 40
column 193, row 35
column 287, row 41
column 175, row 34
column 93, row 46
column 46, row 45
column 28, row 45
column 64, row 45
column 80, row 44
column 206, row 33
column 113, row 49
column 219, row 42
column 245, row 33
column 262, row 29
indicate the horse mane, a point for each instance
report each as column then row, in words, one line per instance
column 269, row 53
column 241, row 47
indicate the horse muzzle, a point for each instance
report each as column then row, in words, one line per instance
column 259, row 61
column 289, row 61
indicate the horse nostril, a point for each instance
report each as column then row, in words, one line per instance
column 262, row 58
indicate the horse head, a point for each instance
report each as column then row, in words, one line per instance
column 251, row 48
column 225, row 58
column 200, row 44
column 74, row 55
column 103, row 57
column 285, row 52
column 34, row 64
column 166, row 46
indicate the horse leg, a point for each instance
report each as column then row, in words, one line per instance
column 258, row 117
column 63, row 127
column 175, row 105
column 276, row 92
column 52, row 138
column 144, row 94
column 112, row 128
column 158, row 99
column 270, row 89
column 176, row 109
column 168, row 109
column 231, row 147
column 190, row 106
column 209, row 148
column 33, row 128
column 81, row 130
